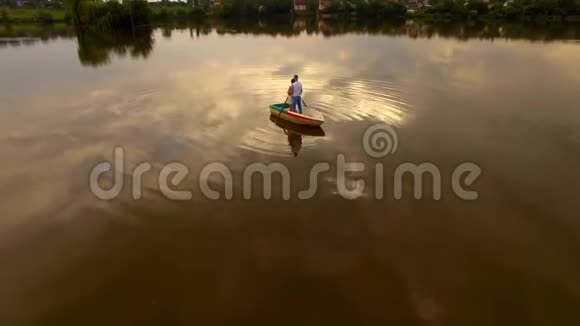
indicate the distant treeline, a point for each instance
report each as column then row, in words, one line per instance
column 227, row 9
column 366, row 8
column 100, row 14
column 500, row 9
column 261, row 8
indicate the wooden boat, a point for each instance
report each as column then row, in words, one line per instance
column 309, row 116
column 314, row 131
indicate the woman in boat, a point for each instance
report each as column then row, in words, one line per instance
column 290, row 92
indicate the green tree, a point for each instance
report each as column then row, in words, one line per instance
column 4, row 16
column 276, row 6
column 312, row 6
column 451, row 8
column 90, row 14
column 204, row 4
column 478, row 6
column 76, row 9
column 43, row 17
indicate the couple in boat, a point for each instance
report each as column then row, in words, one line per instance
column 295, row 94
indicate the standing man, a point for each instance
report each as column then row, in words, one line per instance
column 296, row 94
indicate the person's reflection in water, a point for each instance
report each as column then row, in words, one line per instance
column 295, row 142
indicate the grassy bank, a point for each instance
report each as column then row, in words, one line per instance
column 31, row 15
column 161, row 13
column 39, row 15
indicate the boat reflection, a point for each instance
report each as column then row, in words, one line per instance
column 295, row 132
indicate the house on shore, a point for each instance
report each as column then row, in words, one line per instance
column 417, row 4
column 22, row 3
column 323, row 4
column 300, row 5
column 216, row 3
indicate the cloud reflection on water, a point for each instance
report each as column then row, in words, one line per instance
column 206, row 99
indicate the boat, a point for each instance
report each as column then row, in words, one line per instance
column 313, row 131
column 309, row 117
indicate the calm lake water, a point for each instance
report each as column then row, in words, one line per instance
column 503, row 97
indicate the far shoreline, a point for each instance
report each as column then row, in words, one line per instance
column 186, row 14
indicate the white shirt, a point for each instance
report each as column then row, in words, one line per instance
column 297, row 87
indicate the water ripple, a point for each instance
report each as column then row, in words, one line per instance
column 340, row 99
column 278, row 142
